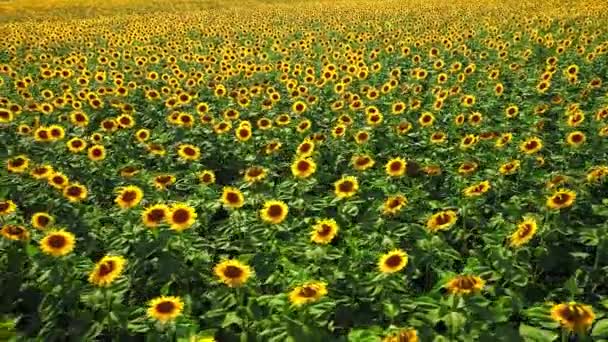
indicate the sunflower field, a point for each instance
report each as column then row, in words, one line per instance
column 314, row 170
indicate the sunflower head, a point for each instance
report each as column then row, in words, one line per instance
column 396, row 167
column 129, row 196
column 107, row 270
column 393, row 261
column 274, row 212
column 42, row 220
column 478, row 189
column 15, row 232
column 308, row 293
column 75, row 192
column 524, row 233
column 58, row 243
column 573, row 316
column 442, row 220
column 232, row 272
column 346, row 187
column 7, row 207
column 403, row 335
column 393, row 204
column 465, row 284
column 232, row 197
column 155, row 215
column 255, row 174
column 303, row 167
column 206, row 177
column 562, row 198
column 324, row 231
column 165, row 308
column 181, row 216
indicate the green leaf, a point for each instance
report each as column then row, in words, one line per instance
column 232, row 318
column 454, row 321
column 600, row 329
column 532, row 334
column 363, row 335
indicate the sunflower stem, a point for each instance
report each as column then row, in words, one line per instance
column 565, row 334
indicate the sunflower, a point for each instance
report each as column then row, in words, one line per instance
column 57, row 132
column 97, row 152
column 42, row 220
column 307, row 293
column 465, row 284
column 161, row 182
column 188, row 152
column 561, row 199
column 503, row 140
column 597, row 173
column 426, row 119
column 58, row 243
column 438, row 137
column 512, row 111
column 576, row 138
column 393, row 204
column 142, row 135
column 324, row 231
column 274, row 211
column 395, row 167
column 15, row 232
column 573, row 316
column 510, row 167
column 243, row 133
column 76, row 145
column 524, row 233
column 299, row 107
column 128, row 171
column 206, row 177
column 232, row 197
column 306, row 148
column 42, row 134
column 362, row 162
column 7, row 207
column 181, row 217
column 129, row 196
column 42, row 172
column 156, row 149
column 442, row 220
column 79, row 119
column 18, row 164
column 255, row 174
column 403, row 335
column 75, row 192
column 468, row 141
column 58, row 180
column 477, row 189
column 531, row 145
column 232, row 272
column 346, row 187
column 165, row 308
column 467, row 168
column 107, row 270
column 393, row 261
column 303, row 167
column 154, row 215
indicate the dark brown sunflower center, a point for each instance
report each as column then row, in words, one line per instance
column 275, row 210
column 308, row 292
column 17, row 162
column 254, row 172
column 76, row 143
column 4, row 206
column 163, row 179
column 532, row 145
column 108, row 125
column 468, row 140
column 577, row 138
column 442, row 219
column 74, row 191
column 58, row 180
column 57, row 241
column 43, row 220
column 303, row 165
column 525, row 230
column 233, row 272
column 346, row 186
column 106, row 268
column 362, row 161
column 206, row 178
column 15, row 230
column 129, row 196
column 394, row 203
column 393, row 261
column 96, row 152
column 43, row 134
column 561, row 198
column 244, row 133
column 466, row 283
column 232, row 197
column 165, row 307
column 189, row 151
column 181, row 216
column 426, row 119
column 325, row 230
column 396, row 166
column 305, row 148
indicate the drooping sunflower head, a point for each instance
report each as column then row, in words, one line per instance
column 573, row 316
column 42, row 220
column 165, row 308
column 465, row 284
column 393, row 261
column 396, row 167
column 155, row 215
column 562, row 198
column 467, row 168
column 524, row 233
column 15, row 232
column 107, row 270
column 181, row 216
column 307, row 293
column 442, row 220
column 129, row 196
column 232, row 272
column 324, row 231
column 232, row 197
column 58, row 243
column 274, row 212
column 346, row 187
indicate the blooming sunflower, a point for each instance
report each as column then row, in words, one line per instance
column 15, row 232
column 465, row 284
column 393, row 261
column 573, row 316
column 181, row 216
column 165, row 308
column 18, row 164
column 42, row 172
column 478, row 189
column 142, row 135
column 232, row 272
column 306, row 148
column 154, row 215
column 576, row 138
column 524, row 233
column 75, row 192
column 468, row 141
column 107, row 270
column 308, row 293
column 503, row 140
column 426, row 119
column 161, row 182
column 232, row 197
column 129, row 196
column 255, row 174
column 324, row 231
column 76, row 145
column 274, row 211
column 393, row 204
column 42, row 220
column 531, row 145
column 467, row 168
column 97, row 153
column 7, row 207
column 188, row 152
column 58, row 180
column 206, row 177
column 404, row 335
column 395, row 167
column 510, row 168
column 362, row 162
column 442, row 220
column 58, row 243
column 561, row 199
column 243, row 133
column 303, row 167
column 346, row 187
